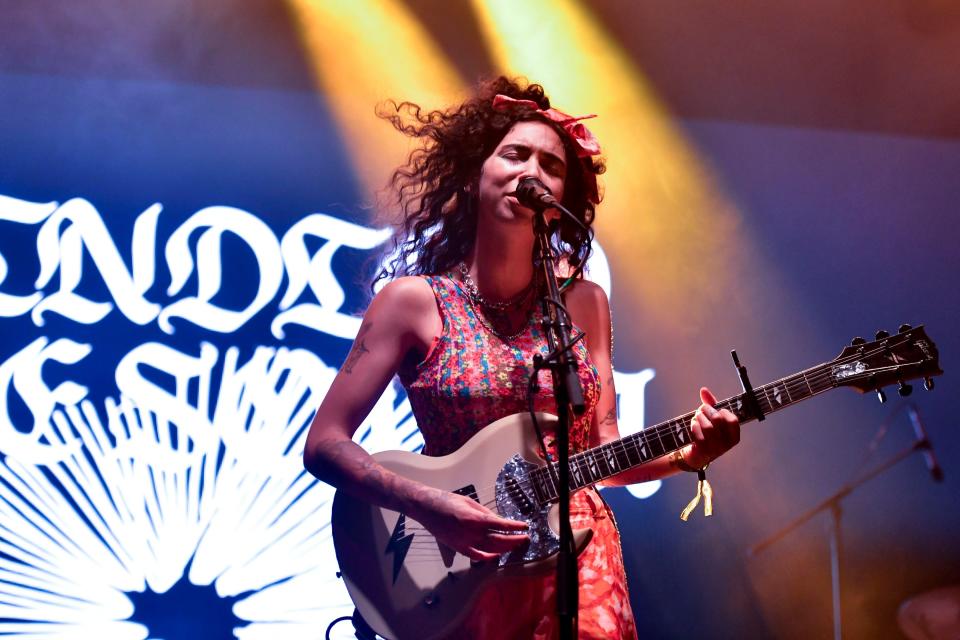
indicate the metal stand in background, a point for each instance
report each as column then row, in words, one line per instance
column 833, row 505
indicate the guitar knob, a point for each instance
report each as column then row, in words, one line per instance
column 882, row 334
column 928, row 384
column 881, row 396
column 858, row 341
column 904, row 328
column 905, row 389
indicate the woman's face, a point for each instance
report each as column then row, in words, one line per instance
column 530, row 148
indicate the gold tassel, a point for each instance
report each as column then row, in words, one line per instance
column 703, row 490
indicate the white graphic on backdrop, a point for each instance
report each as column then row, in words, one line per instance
column 196, row 463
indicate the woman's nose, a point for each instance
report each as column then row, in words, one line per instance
column 532, row 169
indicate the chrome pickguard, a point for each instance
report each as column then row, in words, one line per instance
column 517, row 501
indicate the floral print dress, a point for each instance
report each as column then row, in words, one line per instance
column 472, row 377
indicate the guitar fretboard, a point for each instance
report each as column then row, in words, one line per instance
column 594, row 465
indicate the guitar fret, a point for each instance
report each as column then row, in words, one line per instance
column 547, row 484
column 593, row 466
column 622, row 454
column 735, row 405
column 581, row 477
column 660, row 444
column 646, row 449
column 538, row 491
column 683, row 432
column 608, row 454
column 804, row 376
column 673, row 445
column 775, row 395
column 766, row 406
column 786, row 389
column 576, row 481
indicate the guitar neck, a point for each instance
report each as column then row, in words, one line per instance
column 597, row 464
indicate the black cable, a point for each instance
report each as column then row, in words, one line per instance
column 332, row 624
column 539, row 363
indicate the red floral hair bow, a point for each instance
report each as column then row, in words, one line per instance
column 586, row 143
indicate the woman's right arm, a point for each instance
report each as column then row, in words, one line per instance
column 400, row 321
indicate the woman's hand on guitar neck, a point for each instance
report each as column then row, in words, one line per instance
column 714, row 432
column 466, row 526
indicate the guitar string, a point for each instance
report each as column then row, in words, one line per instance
column 795, row 381
column 670, row 427
column 428, row 550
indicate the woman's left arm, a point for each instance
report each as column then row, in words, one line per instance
column 714, row 432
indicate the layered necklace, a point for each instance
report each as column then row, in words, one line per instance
column 493, row 313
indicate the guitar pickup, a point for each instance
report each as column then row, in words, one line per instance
column 520, row 499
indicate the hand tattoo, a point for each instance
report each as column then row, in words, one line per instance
column 359, row 348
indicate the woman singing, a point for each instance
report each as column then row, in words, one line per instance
column 459, row 323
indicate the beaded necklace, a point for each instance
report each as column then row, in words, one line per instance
column 478, row 303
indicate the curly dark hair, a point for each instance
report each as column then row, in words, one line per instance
column 439, row 213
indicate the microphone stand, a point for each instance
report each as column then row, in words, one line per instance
column 569, row 396
column 832, row 504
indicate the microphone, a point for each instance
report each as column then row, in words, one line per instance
column 923, row 443
column 535, row 195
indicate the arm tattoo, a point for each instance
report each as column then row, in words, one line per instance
column 359, row 349
column 611, row 417
column 349, row 467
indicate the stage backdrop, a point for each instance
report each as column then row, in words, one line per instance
column 188, row 225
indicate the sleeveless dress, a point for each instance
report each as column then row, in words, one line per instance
column 472, row 377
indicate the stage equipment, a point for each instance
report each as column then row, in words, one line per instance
column 832, row 505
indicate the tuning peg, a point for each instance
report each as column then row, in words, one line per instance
column 904, row 328
column 928, row 384
column 904, row 389
column 858, row 341
column 882, row 334
column 881, row 396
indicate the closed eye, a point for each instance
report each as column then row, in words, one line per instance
column 515, row 153
column 555, row 168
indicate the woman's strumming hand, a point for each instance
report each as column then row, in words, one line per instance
column 466, row 526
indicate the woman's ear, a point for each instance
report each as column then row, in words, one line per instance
column 473, row 185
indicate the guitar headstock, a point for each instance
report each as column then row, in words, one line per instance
column 890, row 359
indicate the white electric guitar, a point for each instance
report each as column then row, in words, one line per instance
column 407, row 585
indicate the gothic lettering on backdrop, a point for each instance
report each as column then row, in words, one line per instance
column 189, row 459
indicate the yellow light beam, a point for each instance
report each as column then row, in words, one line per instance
column 659, row 202
column 364, row 52
column 696, row 278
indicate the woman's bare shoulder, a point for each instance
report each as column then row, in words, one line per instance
column 407, row 304
column 406, row 290
column 589, row 308
column 585, row 294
